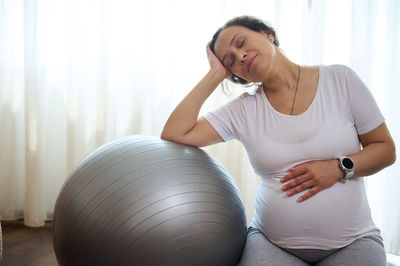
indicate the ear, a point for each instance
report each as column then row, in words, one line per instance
column 269, row 36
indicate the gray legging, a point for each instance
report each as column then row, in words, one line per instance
column 259, row 251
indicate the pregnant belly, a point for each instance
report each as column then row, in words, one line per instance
column 329, row 219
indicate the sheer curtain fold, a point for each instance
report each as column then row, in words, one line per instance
column 75, row 74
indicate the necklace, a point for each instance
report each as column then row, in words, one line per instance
column 295, row 92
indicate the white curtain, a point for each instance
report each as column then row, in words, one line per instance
column 75, row 74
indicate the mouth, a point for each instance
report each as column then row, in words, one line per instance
column 251, row 63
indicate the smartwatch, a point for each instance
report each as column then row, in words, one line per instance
column 347, row 166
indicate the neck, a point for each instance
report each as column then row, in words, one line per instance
column 282, row 77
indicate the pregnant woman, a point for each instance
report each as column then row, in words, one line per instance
column 312, row 133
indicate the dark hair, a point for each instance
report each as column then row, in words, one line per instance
column 251, row 23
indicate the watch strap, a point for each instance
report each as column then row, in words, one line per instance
column 348, row 173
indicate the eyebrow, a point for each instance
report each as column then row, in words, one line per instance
column 223, row 59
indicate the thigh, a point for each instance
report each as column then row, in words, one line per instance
column 259, row 251
column 364, row 251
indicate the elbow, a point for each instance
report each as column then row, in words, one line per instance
column 392, row 154
column 166, row 135
column 174, row 138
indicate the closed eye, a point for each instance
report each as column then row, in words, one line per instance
column 240, row 45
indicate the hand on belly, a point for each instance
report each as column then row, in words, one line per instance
column 314, row 175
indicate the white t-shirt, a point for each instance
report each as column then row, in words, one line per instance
column 342, row 109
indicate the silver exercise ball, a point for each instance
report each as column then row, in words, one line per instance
column 143, row 201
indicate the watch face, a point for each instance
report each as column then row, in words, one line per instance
column 348, row 163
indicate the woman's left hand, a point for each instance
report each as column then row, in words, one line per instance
column 314, row 175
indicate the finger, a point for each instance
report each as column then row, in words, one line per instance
column 293, row 173
column 210, row 53
column 309, row 194
column 300, row 165
column 208, row 46
column 295, row 182
column 300, row 188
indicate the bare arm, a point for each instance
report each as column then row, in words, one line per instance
column 183, row 125
column 378, row 152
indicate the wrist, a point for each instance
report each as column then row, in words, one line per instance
column 338, row 173
column 218, row 74
column 346, row 165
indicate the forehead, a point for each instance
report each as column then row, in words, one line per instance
column 226, row 36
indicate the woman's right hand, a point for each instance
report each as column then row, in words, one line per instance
column 216, row 64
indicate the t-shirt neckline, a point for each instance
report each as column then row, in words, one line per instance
column 309, row 107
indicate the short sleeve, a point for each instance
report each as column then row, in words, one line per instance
column 363, row 107
column 227, row 119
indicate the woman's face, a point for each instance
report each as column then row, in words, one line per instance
column 246, row 53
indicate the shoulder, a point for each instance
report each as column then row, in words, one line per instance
column 340, row 76
column 248, row 98
column 336, row 70
column 245, row 105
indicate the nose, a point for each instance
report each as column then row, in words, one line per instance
column 243, row 57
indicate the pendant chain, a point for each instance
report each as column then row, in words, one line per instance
column 295, row 92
